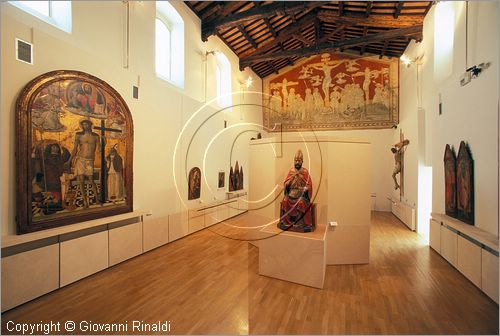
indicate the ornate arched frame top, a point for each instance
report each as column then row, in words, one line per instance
column 74, row 151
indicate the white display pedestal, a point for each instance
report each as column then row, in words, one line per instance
column 341, row 176
column 294, row 256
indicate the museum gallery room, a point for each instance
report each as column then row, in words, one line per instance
column 246, row 167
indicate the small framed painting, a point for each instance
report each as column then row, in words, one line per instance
column 222, row 178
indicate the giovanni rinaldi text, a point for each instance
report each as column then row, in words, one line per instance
column 48, row 328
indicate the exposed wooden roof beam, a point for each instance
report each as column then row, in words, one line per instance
column 365, row 31
column 398, row 9
column 383, row 21
column 330, row 47
column 429, row 7
column 209, row 10
column 342, row 37
column 318, row 29
column 273, row 67
column 283, row 35
column 289, row 60
column 248, row 37
column 270, row 27
column 341, row 8
column 255, row 13
column 369, row 8
column 386, row 44
column 302, row 39
column 332, row 33
column 229, row 7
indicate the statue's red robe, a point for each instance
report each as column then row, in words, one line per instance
column 297, row 200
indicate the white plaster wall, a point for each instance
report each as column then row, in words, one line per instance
column 470, row 113
column 340, row 173
column 96, row 46
column 381, row 157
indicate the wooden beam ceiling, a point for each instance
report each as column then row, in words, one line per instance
column 284, row 35
column 333, row 46
column 378, row 21
column 269, row 35
column 255, row 13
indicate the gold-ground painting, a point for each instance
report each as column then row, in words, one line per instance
column 333, row 92
column 74, row 145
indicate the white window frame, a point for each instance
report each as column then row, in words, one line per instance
column 168, row 15
column 444, row 36
column 223, row 79
column 168, row 66
column 60, row 13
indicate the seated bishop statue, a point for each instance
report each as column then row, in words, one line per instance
column 296, row 211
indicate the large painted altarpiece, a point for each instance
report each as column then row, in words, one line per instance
column 74, row 151
column 333, row 92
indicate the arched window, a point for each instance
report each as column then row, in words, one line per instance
column 56, row 13
column 169, row 42
column 223, row 77
column 163, row 49
column 444, row 29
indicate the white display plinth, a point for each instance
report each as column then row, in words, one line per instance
column 294, row 256
column 341, row 176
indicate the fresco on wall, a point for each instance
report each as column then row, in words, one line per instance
column 465, row 184
column 450, row 178
column 194, row 183
column 75, row 139
column 332, row 92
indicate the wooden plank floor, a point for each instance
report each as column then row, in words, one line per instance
column 208, row 284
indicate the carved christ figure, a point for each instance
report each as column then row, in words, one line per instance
column 398, row 151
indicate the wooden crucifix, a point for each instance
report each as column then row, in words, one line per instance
column 103, row 130
column 399, row 150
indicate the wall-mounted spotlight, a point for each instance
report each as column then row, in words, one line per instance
column 408, row 61
column 211, row 52
column 473, row 72
column 249, row 82
column 405, row 59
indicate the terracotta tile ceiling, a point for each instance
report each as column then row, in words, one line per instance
column 269, row 35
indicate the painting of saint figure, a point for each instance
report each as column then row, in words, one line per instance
column 114, row 169
column 465, row 184
column 222, row 178
column 450, row 179
column 50, row 161
column 75, row 145
column 333, row 91
column 194, row 183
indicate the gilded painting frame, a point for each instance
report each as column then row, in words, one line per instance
column 74, row 151
column 450, row 180
column 465, row 184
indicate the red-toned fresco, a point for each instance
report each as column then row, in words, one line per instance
column 333, row 91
